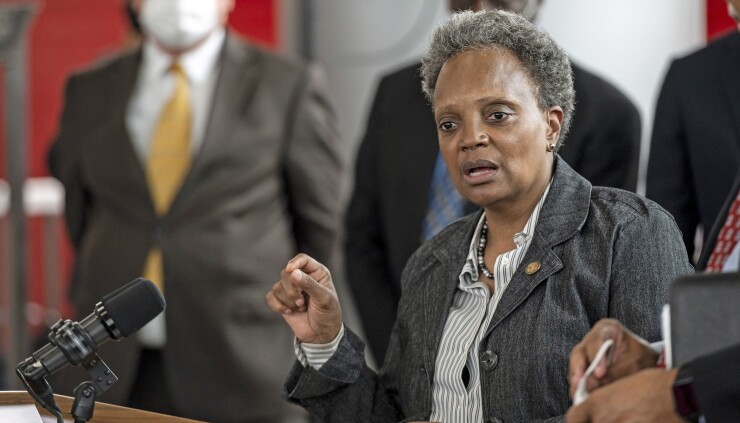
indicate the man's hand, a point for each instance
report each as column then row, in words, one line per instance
column 643, row 397
column 306, row 298
column 629, row 354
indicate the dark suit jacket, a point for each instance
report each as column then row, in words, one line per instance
column 603, row 145
column 394, row 172
column 695, row 146
column 266, row 184
column 603, row 252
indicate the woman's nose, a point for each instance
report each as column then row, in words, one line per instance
column 473, row 137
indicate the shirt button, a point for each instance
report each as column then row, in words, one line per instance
column 489, row 360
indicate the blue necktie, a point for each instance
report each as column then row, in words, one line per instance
column 445, row 204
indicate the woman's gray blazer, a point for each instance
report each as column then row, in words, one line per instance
column 603, row 252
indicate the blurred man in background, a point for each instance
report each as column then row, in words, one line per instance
column 695, row 146
column 204, row 164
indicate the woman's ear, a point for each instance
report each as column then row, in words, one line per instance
column 554, row 117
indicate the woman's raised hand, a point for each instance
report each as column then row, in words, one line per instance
column 306, row 298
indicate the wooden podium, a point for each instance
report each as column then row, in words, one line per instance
column 19, row 407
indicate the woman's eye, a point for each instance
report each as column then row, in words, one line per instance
column 446, row 126
column 499, row 115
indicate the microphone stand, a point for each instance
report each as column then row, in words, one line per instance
column 84, row 403
column 69, row 337
column 85, row 393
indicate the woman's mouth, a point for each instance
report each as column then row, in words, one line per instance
column 479, row 171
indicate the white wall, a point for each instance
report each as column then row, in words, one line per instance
column 359, row 40
column 629, row 42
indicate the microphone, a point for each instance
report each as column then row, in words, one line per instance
column 118, row 315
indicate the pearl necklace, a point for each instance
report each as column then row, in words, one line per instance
column 482, row 250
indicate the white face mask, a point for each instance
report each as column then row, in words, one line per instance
column 179, row 24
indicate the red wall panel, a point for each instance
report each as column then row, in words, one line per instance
column 718, row 21
column 257, row 20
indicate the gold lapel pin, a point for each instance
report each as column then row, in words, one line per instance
column 532, row 268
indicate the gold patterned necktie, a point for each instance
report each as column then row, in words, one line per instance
column 169, row 161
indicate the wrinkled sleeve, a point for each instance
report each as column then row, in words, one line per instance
column 344, row 389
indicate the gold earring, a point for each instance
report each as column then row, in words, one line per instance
column 550, row 147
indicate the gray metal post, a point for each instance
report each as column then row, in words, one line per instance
column 14, row 20
column 308, row 47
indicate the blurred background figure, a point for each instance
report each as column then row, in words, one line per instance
column 389, row 220
column 695, row 146
column 204, row 164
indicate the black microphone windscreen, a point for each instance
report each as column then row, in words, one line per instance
column 134, row 305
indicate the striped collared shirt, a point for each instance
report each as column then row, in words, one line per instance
column 467, row 322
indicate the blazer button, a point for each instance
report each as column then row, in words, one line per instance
column 494, row 420
column 489, row 360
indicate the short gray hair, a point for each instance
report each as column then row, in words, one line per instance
column 546, row 63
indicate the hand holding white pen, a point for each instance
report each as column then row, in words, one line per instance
column 593, row 364
column 581, row 393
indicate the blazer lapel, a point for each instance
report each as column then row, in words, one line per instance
column 522, row 283
column 237, row 81
column 562, row 216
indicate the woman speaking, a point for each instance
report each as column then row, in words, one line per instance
column 492, row 305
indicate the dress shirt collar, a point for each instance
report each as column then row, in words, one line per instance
column 198, row 63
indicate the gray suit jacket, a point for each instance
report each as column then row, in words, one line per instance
column 267, row 183
column 604, row 252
